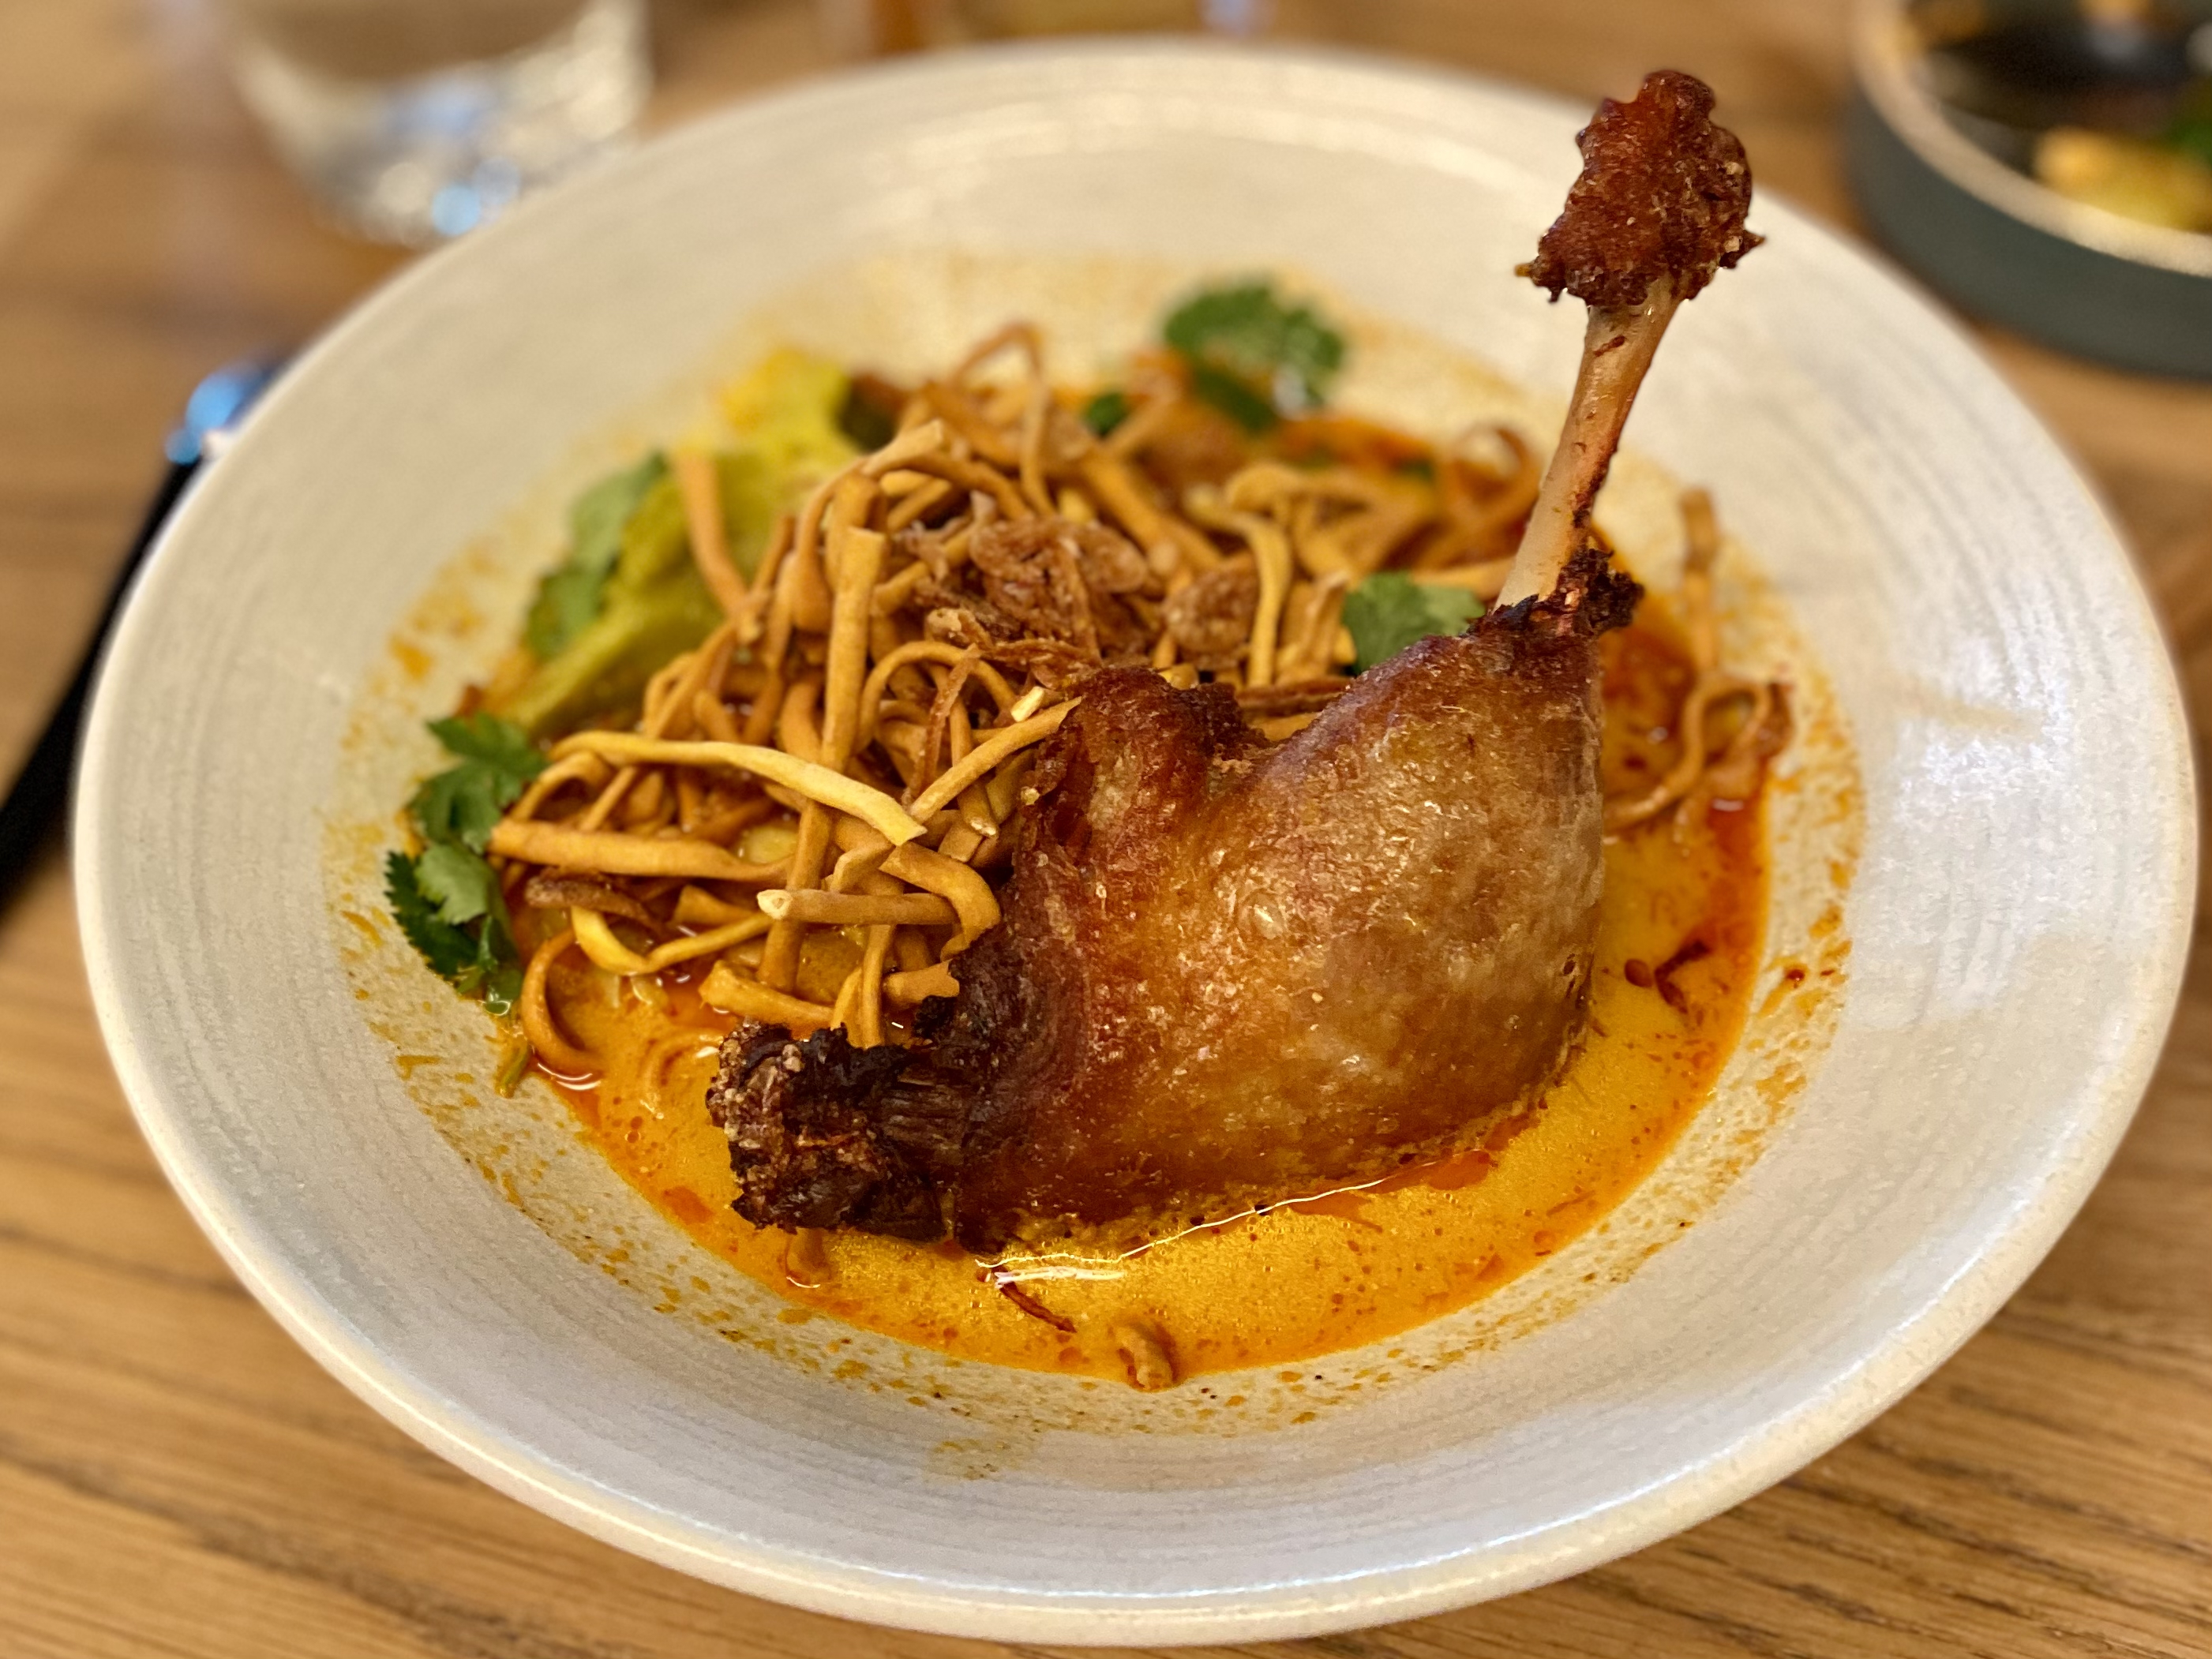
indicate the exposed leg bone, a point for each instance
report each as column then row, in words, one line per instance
column 1618, row 347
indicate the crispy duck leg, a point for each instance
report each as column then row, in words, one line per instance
column 1230, row 973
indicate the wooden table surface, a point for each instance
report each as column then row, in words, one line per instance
column 177, row 1478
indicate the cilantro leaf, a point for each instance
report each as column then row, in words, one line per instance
column 501, row 744
column 568, row 597
column 420, row 892
column 457, row 809
column 1252, row 355
column 459, row 882
column 1106, row 411
column 1389, row 610
column 1250, row 408
column 499, row 965
column 461, row 806
column 447, row 901
column 453, row 954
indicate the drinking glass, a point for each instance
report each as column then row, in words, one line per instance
column 416, row 120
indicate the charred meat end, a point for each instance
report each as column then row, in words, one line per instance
column 824, row 1134
column 1664, row 193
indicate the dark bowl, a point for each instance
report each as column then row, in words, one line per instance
column 2003, row 245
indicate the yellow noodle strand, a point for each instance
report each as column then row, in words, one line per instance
column 597, row 940
column 734, row 992
column 986, row 755
column 860, row 563
column 868, row 995
column 915, row 986
column 816, row 782
column 536, row 1012
column 899, row 453
column 696, row 481
column 919, row 650
column 612, row 852
column 824, row 908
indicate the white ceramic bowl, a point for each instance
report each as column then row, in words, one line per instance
column 2017, row 925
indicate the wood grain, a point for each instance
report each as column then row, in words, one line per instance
column 177, row 1478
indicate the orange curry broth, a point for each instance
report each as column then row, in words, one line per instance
column 1308, row 1277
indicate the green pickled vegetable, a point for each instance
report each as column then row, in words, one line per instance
column 753, row 495
column 605, row 667
column 651, row 606
column 786, row 412
column 568, row 597
column 628, row 596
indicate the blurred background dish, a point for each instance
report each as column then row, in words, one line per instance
column 2048, row 165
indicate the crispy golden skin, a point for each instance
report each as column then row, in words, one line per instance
column 1230, row 973
column 1226, row 978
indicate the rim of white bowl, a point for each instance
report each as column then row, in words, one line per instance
column 1729, row 1475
